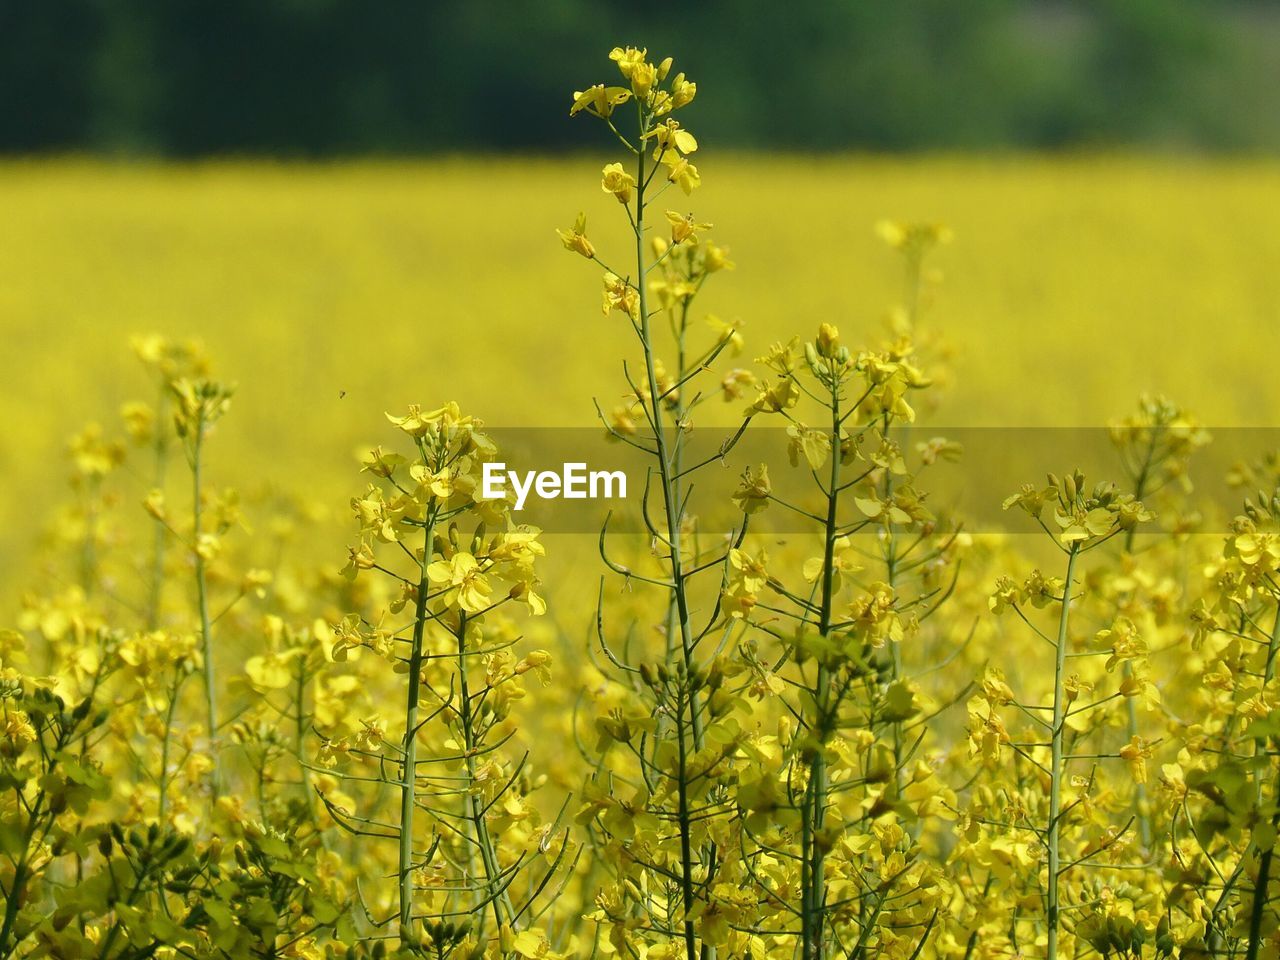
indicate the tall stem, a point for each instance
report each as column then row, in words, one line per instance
column 1260, row 889
column 1056, row 772
column 813, row 866
column 202, row 599
column 474, row 808
column 160, row 450
column 1131, row 708
column 170, row 711
column 408, row 772
column 671, row 508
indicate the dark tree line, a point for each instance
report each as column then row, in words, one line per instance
column 333, row 77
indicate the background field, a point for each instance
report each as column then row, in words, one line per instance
column 333, row 293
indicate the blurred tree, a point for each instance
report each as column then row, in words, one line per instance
column 318, row 77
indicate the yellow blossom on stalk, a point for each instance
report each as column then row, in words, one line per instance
column 670, row 136
column 716, row 258
column 682, row 91
column 627, row 59
column 271, row 671
column 1136, row 753
column 778, row 396
column 358, row 558
column 913, row 238
column 576, row 239
column 17, row 731
column 464, row 580
column 753, row 492
column 622, row 420
column 415, row 422
column 844, row 562
column 684, row 227
column 599, row 100
column 139, row 421
column 620, row 295
column 539, row 661
column 200, row 403
column 748, row 571
column 615, row 180
column 93, row 455
column 681, row 172
column 380, row 463
column 1081, row 524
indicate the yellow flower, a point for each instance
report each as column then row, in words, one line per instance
column 913, row 238
column 539, row 661
column 599, row 100
column 139, row 421
column 576, row 239
column 415, row 423
column 93, row 456
column 614, row 179
column 748, row 571
column 716, row 259
column 271, row 671
column 781, row 395
column 681, row 172
column 18, row 732
column 1080, row 524
column 628, row 58
column 682, row 91
column 753, row 492
column 465, row 582
column 670, row 136
column 620, row 295
column 1136, row 753
column 683, row 227
column 643, row 78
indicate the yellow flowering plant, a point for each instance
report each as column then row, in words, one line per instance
column 669, row 835
column 850, row 722
column 469, row 840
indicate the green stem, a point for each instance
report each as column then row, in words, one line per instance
column 475, row 810
column 165, row 742
column 1260, row 889
column 202, row 598
column 1057, row 765
column 891, row 578
column 158, row 541
column 299, row 737
column 1141, row 802
column 671, row 507
column 408, row 772
column 813, row 866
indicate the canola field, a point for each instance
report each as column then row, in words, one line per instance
column 333, row 293
column 280, row 684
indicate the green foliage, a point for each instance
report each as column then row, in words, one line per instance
column 342, row 76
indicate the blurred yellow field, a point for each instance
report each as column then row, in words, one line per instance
column 792, row 757
column 333, row 292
